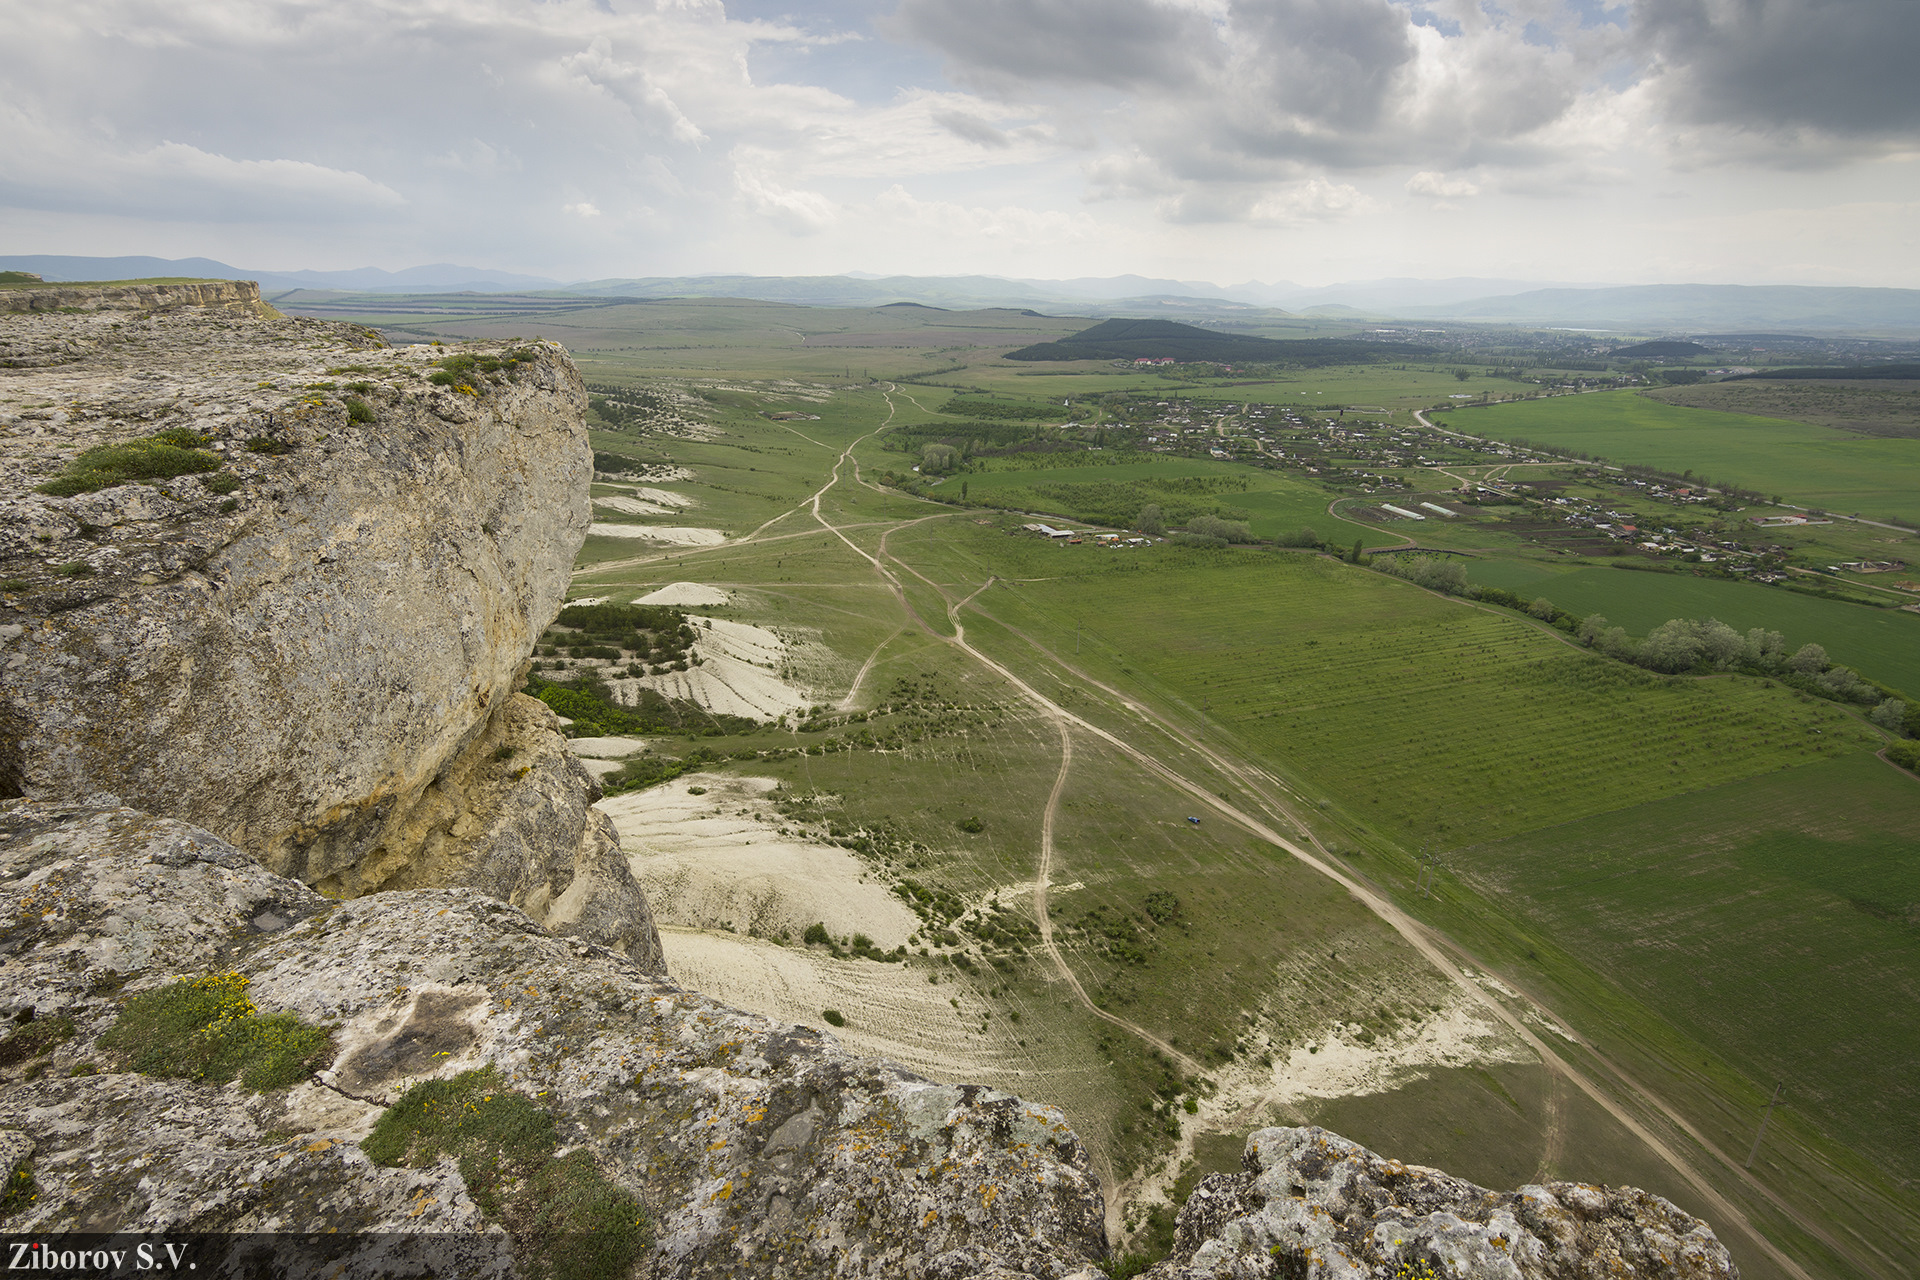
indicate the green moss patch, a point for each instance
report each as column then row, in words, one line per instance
column 161, row 457
column 32, row 1039
column 207, row 1029
column 566, row 1219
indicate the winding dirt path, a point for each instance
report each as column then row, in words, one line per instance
column 1446, row 957
column 1405, row 541
column 860, row 678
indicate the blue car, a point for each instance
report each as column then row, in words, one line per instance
column 1194, row 821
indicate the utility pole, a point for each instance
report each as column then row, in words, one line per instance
column 1763, row 1124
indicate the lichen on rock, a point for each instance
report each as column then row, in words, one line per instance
column 1310, row 1205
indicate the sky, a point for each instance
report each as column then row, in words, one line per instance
column 1312, row 141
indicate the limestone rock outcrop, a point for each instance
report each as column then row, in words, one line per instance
column 1310, row 1205
column 139, row 295
column 307, row 645
column 759, row 1149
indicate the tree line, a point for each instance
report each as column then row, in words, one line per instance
column 1682, row 646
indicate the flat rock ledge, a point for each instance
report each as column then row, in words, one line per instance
column 1311, row 1205
column 761, row 1149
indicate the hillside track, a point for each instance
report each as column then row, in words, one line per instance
column 1440, row 951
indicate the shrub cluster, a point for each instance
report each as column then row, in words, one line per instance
column 207, row 1029
column 1209, row 526
column 566, row 1219
column 461, row 371
column 171, row 453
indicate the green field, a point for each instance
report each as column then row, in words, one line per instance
column 1433, row 720
column 1776, row 919
column 1276, row 503
column 1883, row 644
column 1810, row 465
column 1389, row 721
column 1774, row 925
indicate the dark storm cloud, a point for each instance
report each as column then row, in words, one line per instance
column 1248, row 90
column 1331, row 61
column 1122, row 44
column 1842, row 67
column 972, row 129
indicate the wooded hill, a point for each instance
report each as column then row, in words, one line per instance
column 1158, row 339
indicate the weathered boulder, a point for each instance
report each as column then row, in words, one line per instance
column 760, row 1149
column 307, row 649
column 1311, row 1205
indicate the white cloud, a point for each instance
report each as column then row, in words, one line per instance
column 50, row 168
column 582, row 209
column 1315, row 200
column 479, row 158
column 1438, row 185
column 1008, row 225
column 802, row 212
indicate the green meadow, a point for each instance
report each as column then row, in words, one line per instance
column 1273, row 503
column 1874, row 476
column 1717, row 944
column 1776, row 919
column 1433, row 720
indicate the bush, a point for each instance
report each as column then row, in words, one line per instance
column 565, row 1218
column 1892, row 715
column 1214, row 527
column 207, row 1029
column 358, row 410
column 834, row 1017
column 224, row 483
column 155, row 458
column 1446, row 576
column 816, row 935
column 1906, row 755
column 971, row 825
column 1196, row 540
column 1809, row 659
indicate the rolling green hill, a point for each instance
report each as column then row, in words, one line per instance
column 1167, row 339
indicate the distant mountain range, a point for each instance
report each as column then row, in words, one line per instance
column 1696, row 307
column 1625, row 309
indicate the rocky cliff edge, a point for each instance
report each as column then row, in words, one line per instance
column 754, row 1148
column 240, row 296
column 279, row 580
